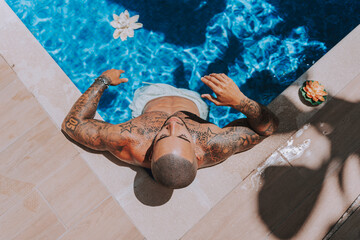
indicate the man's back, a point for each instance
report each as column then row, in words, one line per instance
column 170, row 125
column 132, row 141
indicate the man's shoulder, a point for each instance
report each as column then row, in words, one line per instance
column 203, row 132
column 219, row 144
column 147, row 124
column 211, row 135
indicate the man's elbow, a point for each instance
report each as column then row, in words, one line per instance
column 63, row 128
column 272, row 128
column 68, row 125
column 276, row 124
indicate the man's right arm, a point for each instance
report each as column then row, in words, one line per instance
column 80, row 124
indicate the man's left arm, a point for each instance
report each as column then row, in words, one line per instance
column 259, row 118
column 239, row 135
column 79, row 123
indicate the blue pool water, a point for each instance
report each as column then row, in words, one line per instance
column 263, row 45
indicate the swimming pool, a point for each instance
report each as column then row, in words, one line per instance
column 262, row 45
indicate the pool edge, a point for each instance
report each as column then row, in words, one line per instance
column 48, row 83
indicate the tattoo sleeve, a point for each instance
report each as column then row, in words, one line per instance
column 259, row 117
column 79, row 123
column 229, row 141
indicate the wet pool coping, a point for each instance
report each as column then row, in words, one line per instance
column 56, row 94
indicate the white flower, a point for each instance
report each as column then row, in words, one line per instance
column 125, row 25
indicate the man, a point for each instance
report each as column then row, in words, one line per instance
column 167, row 133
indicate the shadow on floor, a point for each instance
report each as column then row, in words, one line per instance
column 289, row 194
column 146, row 190
column 283, row 191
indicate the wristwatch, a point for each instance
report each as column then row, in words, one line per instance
column 103, row 80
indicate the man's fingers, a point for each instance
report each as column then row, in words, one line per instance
column 119, row 72
column 226, row 77
column 214, row 80
column 218, row 77
column 121, row 80
column 223, row 77
column 211, row 98
column 210, row 83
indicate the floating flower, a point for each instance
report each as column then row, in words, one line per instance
column 314, row 92
column 125, row 25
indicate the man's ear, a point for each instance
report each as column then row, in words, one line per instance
column 197, row 151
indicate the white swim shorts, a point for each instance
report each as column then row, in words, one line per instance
column 147, row 93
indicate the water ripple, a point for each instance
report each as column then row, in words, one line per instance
column 239, row 41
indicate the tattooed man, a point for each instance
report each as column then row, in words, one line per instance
column 169, row 136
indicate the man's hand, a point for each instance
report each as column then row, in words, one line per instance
column 114, row 76
column 227, row 92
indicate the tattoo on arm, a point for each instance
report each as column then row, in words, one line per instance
column 230, row 141
column 79, row 125
column 71, row 124
column 249, row 107
column 260, row 118
column 85, row 107
column 220, row 144
column 127, row 127
column 89, row 133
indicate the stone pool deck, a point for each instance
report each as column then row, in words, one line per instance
column 301, row 183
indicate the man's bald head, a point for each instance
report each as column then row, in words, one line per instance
column 174, row 171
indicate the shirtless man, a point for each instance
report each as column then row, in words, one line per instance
column 169, row 136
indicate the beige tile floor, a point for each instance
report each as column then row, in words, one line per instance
column 47, row 191
column 295, row 185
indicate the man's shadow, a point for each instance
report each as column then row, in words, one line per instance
column 146, row 190
column 330, row 29
column 286, row 198
column 182, row 22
